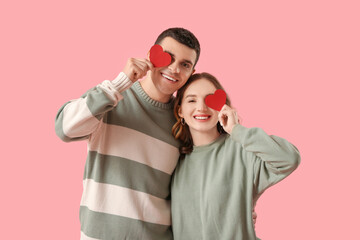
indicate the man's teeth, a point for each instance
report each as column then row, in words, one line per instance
column 201, row 118
column 170, row 78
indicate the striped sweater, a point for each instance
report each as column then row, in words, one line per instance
column 131, row 156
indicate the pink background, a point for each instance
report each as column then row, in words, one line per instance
column 290, row 67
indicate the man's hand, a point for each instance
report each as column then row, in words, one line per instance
column 136, row 68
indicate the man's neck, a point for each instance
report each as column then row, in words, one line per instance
column 152, row 91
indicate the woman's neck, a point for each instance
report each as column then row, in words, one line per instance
column 204, row 138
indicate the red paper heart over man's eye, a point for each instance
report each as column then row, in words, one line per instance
column 158, row 57
column 217, row 100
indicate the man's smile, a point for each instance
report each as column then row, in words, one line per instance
column 168, row 77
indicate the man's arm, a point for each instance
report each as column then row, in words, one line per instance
column 77, row 119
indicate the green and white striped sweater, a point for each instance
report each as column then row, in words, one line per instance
column 131, row 156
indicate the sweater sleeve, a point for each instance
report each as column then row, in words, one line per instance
column 273, row 158
column 77, row 119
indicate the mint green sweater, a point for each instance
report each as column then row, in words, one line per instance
column 215, row 188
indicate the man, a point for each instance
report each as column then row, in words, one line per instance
column 131, row 153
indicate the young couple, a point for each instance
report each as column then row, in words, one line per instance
column 133, row 158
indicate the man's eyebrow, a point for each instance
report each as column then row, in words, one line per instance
column 189, row 62
column 185, row 60
column 171, row 54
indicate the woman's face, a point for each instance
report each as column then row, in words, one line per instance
column 199, row 117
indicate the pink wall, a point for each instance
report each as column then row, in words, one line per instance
column 290, row 67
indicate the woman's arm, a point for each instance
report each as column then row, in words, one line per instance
column 273, row 157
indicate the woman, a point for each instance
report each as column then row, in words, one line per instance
column 224, row 167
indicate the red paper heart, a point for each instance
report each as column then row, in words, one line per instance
column 158, row 57
column 217, row 100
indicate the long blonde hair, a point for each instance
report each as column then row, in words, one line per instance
column 181, row 130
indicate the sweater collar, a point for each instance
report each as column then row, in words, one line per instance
column 140, row 91
column 218, row 141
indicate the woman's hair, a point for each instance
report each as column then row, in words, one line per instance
column 181, row 131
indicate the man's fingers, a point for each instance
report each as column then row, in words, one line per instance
column 142, row 64
column 137, row 68
column 145, row 64
column 149, row 64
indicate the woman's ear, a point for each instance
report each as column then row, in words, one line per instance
column 180, row 113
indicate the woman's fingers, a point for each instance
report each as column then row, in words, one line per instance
column 228, row 118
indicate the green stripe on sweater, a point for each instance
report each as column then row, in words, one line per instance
column 136, row 107
column 126, row 173
column 106, row 226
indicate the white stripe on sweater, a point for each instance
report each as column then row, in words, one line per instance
column 78, row 120
column 84, row 237
column 115, row 87
column 130, row 144
column 116, row 200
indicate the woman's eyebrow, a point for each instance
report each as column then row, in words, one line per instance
column 190, row 95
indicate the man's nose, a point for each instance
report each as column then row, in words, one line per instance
column 174, row 67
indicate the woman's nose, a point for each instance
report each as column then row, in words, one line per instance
column 201, row 106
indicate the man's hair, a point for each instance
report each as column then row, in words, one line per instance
column 183, row 36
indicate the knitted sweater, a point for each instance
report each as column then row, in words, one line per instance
column 214, row 189
column 131, row 156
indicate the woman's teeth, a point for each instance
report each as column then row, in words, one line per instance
column 201, row 118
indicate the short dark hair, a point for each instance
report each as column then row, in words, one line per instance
column 183, row 36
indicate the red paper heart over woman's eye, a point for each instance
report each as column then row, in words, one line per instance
column 217, row 100
column 158, row 57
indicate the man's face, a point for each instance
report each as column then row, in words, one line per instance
column 169, row 79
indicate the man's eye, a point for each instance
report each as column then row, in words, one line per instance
column 186, row 65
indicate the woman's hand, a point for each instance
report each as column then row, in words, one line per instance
column 228, row 118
